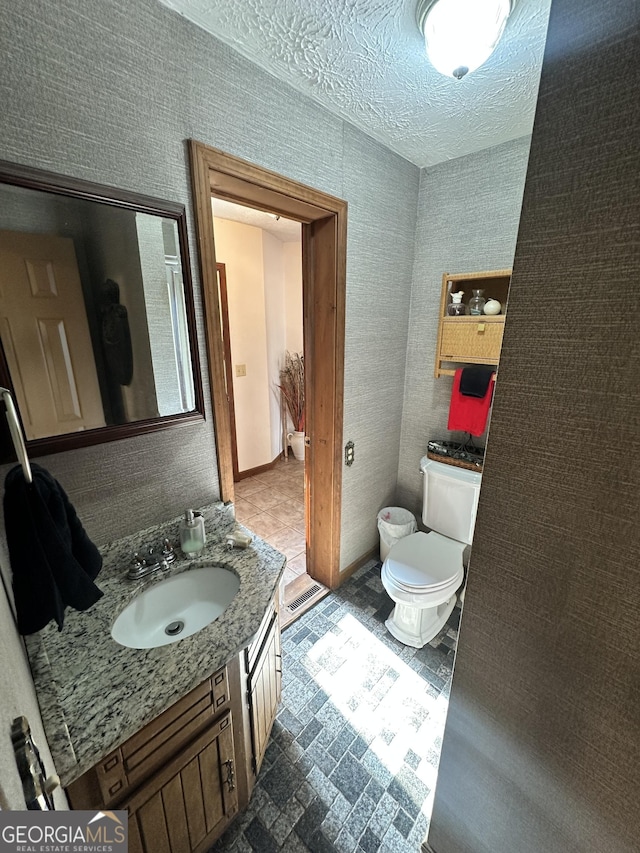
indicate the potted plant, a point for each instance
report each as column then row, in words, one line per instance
column 292, row 391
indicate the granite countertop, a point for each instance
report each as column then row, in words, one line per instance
column 94, row 693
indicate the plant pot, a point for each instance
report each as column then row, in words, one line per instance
column 296, row 440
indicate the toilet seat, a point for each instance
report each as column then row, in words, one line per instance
column 426, row 562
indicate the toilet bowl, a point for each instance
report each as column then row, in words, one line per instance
column 422, row 574
column 423, row 571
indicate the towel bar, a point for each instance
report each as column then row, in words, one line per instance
column 16, row 434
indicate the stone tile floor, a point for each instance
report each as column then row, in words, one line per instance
column 354, row 751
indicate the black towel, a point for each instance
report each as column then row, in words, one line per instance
column 53, row 561
column 474, row 381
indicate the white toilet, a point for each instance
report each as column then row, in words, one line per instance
column 423, row 571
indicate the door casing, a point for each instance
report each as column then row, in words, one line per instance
column 324, row 232
column 228, row 364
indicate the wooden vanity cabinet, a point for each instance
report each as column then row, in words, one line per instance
column 187, row 773
column 471, row 339
column 177, row 777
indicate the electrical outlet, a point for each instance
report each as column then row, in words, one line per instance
column 241, row 369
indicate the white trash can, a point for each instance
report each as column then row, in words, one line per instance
column 394, row 523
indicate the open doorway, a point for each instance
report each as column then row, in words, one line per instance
column 323, row 230
column 259, row 267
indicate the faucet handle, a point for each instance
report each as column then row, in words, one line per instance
column 138, row 562
column 152, row 558
column 137, row 567
column 168, row 554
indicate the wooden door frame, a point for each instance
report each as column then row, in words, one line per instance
column 228, row 364
column 324, row 231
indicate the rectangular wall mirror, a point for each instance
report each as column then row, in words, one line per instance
column 97, row 322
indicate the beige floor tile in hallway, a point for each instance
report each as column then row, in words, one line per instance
column 272, row 506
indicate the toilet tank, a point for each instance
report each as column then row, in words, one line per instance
column 450, row 499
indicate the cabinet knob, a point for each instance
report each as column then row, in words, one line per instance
column 481, row 327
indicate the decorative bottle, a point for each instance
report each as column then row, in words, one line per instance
column 476, row 303
column 455, row 307
column 192, row 534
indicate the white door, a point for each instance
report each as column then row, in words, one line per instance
column 45, row 334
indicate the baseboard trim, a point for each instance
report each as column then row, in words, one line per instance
column 251, row 472
column 351, row 569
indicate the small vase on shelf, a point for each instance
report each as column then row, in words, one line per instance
column 476, row 303
column 455, row 308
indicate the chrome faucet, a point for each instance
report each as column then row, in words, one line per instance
column 146, row 565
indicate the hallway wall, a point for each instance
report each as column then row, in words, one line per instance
column 240, row 248
column 264, row 293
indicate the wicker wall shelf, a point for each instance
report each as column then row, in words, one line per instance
column 466, row 339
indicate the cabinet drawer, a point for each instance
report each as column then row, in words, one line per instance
column 471, row 341
column 149, row 749
column 111, row 776
column 164, row 736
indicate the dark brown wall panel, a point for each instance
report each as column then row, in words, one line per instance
column 542, row 746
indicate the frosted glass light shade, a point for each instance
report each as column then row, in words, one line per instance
column 460, row 35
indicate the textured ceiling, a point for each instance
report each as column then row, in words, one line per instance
column 365, row 61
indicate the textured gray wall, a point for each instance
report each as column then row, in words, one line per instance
column 468, row 212
column 377, row 312
column 542, row 745
column 110, row 91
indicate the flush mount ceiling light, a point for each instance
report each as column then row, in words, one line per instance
column 461, row 34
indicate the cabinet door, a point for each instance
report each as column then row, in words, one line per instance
column 264, row 692
column 472, row 341
column 186, row 805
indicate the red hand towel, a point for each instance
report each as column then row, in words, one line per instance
column 468, row 414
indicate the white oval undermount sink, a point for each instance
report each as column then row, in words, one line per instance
column 175, row 608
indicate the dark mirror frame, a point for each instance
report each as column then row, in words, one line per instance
column 37, row 179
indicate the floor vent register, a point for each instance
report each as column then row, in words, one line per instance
column 300, row 600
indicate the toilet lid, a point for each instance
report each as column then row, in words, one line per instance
column 425, row 559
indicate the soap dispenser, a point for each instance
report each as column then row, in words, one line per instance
column 192, row 534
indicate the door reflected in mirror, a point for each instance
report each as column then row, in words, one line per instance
column 96, row 311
